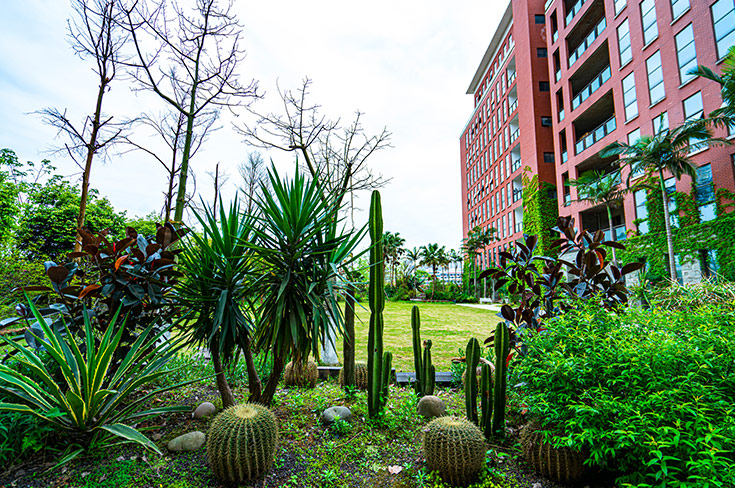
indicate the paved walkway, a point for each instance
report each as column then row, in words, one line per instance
column 485, row 306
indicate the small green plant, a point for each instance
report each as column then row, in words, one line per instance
column 86, row 400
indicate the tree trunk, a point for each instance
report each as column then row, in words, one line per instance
column 270, row 387
column 348, row 341
column 667, row 225
column 91, row 149
column 254, row 385
column 228, row 399
column 612, row 233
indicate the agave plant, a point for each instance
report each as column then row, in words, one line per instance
column 84, row 398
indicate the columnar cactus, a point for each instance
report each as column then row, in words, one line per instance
column 241, row 442
column 502, row 350
column 472, row 355
column 455, row 448
column 486, row 401
column 379, row 363
column 425, row 371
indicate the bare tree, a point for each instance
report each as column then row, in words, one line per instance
column 170, row 127
column 192, row 66
column 94, row 33
column 253, row 174
column 333, row 154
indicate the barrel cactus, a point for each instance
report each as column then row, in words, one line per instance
column 300, row 374
column 241, row 442
column 455, row 448
column 361, row 372
column 560, row 464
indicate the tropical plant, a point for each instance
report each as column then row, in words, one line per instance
column 86, row 399
column 600, row 188
column 477, row 240
column 393, row 250
column 217, row 265
column 425, row 370
column 725, row 115
column 298, row 243
column 434, row 256
column 667, row 151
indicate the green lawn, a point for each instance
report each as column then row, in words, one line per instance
column 448, row 326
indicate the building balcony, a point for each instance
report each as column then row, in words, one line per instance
column 594, row 219
column 595, row 135
column 514, row 135
column 573, row 11
column 587, row 42
column 515, row 165
column 591, row 87
column 513, row 106
column 517, row 195
column 518, row 227
column 619, row 233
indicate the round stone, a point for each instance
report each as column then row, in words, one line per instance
column 190, row 441
column 431, row 406
column 204, row 410
column 332, row 414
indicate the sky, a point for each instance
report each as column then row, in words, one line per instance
column 405, row 64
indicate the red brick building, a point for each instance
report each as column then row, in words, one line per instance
column 618, row 71
column 603, row 71
column 510, row 127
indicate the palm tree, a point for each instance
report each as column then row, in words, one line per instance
column 478, row 239
column 393, row 250
column 725, row 115
column 667, row 151
column 434, row 256
column 599, row 188
column 454, row 258
column 414, row 255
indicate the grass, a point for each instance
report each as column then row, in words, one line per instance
column 449, row 327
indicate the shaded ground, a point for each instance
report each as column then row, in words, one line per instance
column 309, row 455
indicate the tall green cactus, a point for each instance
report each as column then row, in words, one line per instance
column 470, row 385
column 486, row 402
column 425, row 371
column 502, row 349
column 379, row 363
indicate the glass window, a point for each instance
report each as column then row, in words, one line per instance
column 634, row 136
column 661, row 122
column 539, row 19
column 619, row 5
column 541, row 52
column 641, row 211
column 723, row 18
column 678, row 7
column 655, row 78
column 705, row 192
column 693, row 106
column 543, row 86
column 629, row 97
column 648, row 18
column 670, row 185
column 626, row 53
column 545, row 121
column 686, row 52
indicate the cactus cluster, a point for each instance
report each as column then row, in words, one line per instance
column 301, row 374
column 361, row 375
column 379, row 363
column 492, row 393
column 241, row 442
column 425, row 371
column 455, row 448
column 560, row 464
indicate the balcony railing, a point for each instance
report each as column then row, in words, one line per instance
column 518, row 227
column 595, row 135
column 513, row 106
column 591, row 87
column 511, row 78
column 591, row 37
column 514, row 135
column 515, row 165
column 574, row 11
column 517, row 195
column 619, row 233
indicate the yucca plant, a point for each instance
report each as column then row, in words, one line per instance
column 85, row 399
column 217, row 265
column 302, row 249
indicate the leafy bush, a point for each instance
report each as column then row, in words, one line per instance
column 85, row 399
column 21, row 435
column 647, row 393
column 16, row 271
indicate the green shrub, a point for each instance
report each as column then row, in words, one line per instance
column 646, row 393
column 16, row 270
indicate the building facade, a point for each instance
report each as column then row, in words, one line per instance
column 615, row 70
column 619, row 71
column 510, row 128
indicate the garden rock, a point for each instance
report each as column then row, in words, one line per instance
column 431, row 406
column 204, row 410
column 187, row 442
column 332, row 414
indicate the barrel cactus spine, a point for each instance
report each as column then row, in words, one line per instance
column 301, row 374
column 360, row 376
column 241, row 442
